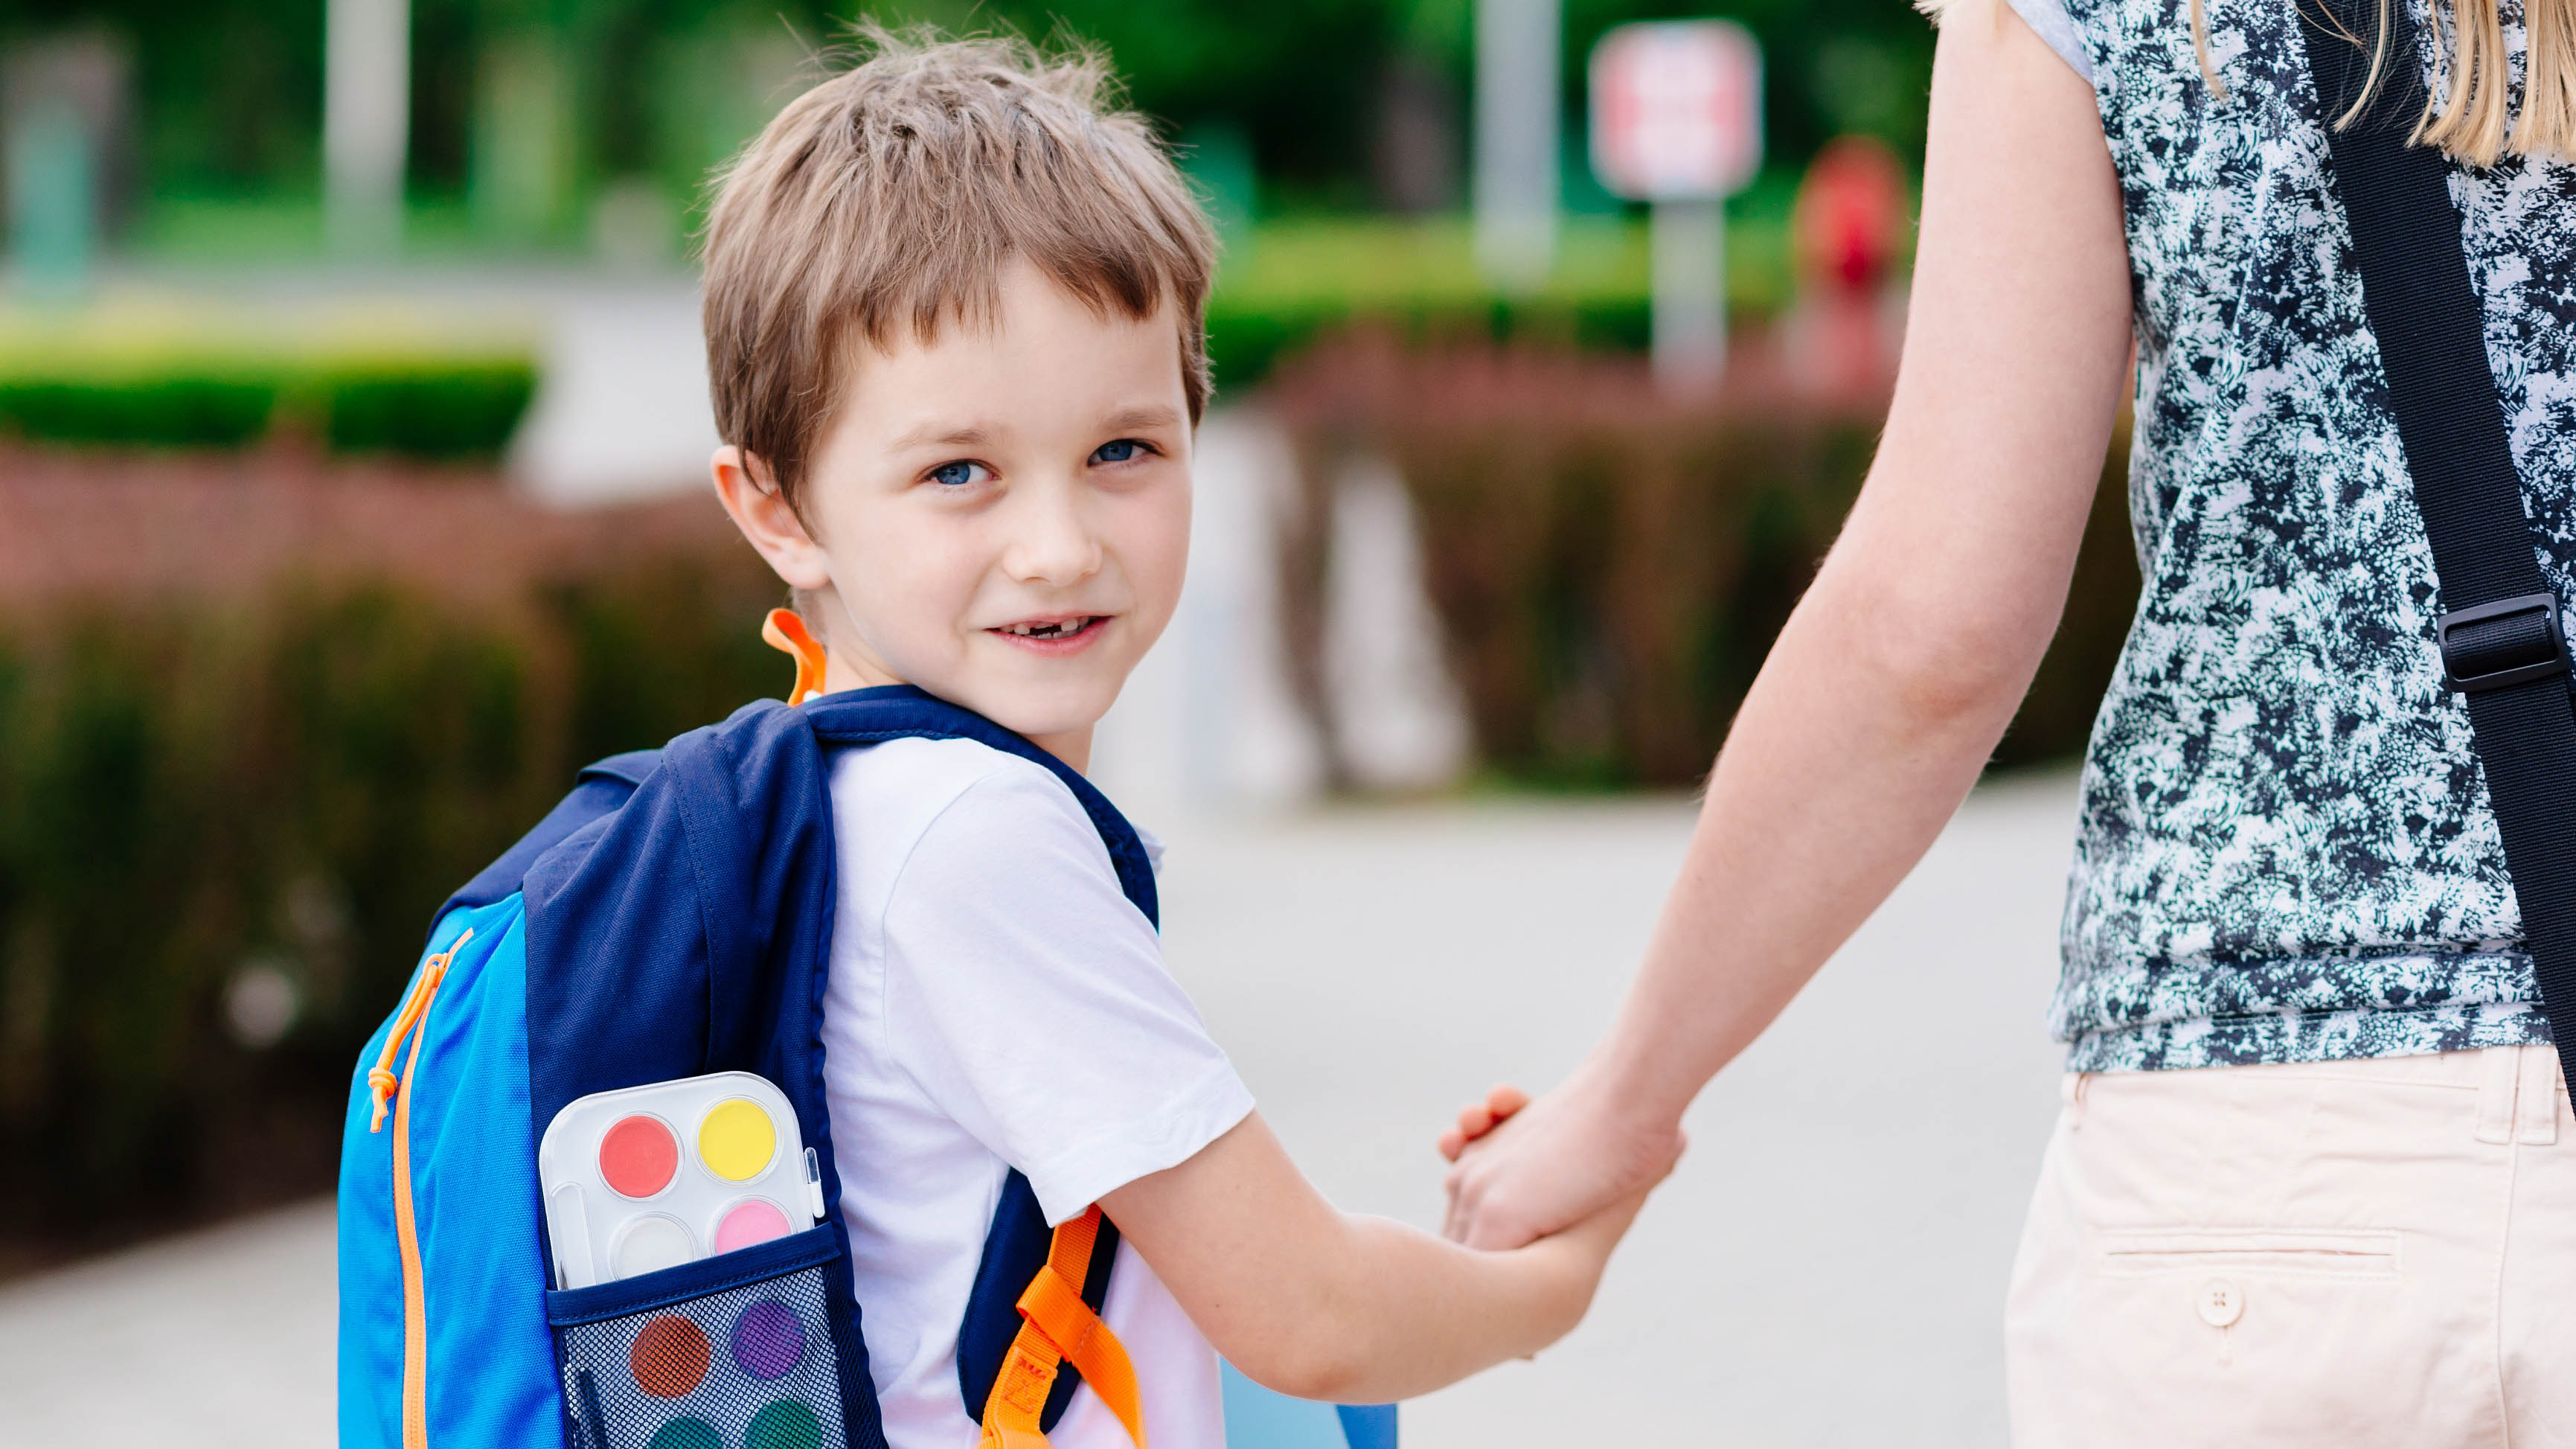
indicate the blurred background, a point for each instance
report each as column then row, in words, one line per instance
column 352, row 434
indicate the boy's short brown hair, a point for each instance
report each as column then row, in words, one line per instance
column 895, row 193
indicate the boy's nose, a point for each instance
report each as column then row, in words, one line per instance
column 1050, row 541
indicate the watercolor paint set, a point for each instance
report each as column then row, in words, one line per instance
column 692, row 1309
column 652, row 1177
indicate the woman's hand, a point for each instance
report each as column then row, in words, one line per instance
column 1526, row 1169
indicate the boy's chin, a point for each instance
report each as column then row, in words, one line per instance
column 1040, row 711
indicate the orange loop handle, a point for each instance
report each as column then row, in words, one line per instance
column 381, row 1081
column 1057, row 1327
column 784, row 630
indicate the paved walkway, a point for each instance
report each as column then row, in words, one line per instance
column 1825, row 1269
column 218, row 1340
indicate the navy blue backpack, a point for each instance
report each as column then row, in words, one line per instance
column 670, row 919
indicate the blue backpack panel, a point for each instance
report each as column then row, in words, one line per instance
column 671, row 918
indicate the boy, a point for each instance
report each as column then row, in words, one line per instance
column 954, row 326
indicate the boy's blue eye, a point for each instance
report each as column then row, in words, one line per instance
column 1118, row 451
column 954, row 475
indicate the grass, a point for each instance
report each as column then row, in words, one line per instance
column 1366, row 263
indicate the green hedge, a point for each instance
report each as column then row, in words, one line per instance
column 458, row 410
column 185, row 384
column 1246, row 343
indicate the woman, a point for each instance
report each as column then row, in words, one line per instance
column 2314, row 1180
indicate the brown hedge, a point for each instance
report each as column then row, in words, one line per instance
column 271, row 717
column 1609, row 563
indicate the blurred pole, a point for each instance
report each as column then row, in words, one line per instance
column 52, row 198
column 514, row 182
column 63, row 101
column 1516, row 137
column 1677, row 121
column 366, row 124
column 1217, row 156
column 1689, row 239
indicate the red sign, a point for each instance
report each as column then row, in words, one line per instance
column 1676, row 110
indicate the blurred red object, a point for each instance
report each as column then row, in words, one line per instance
column 1848, row 233
column 1848, row 214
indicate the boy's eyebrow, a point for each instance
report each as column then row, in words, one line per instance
column 970, row 435
column 947, row 435
column 1141, row 419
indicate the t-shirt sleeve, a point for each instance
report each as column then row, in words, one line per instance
column 2054, row 25
column 1027, row 998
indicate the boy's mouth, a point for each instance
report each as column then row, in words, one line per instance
column 1072, row 630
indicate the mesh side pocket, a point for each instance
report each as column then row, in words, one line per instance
column 746, row 1367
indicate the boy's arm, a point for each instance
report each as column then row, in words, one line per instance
column 1320, row 1304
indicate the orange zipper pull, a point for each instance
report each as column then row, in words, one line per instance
column 381, row 1081
column 786, row 633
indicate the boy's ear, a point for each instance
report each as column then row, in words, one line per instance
column 752, row 498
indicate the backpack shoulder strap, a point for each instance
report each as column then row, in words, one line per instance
column 685, row 932
column 2503, row 645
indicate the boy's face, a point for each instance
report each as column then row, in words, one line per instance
column 1001, row 516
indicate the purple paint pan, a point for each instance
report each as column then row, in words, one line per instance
column 767, row 1339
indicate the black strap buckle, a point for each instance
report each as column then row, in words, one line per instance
column 2494, row 646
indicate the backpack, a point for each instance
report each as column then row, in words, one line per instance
column 671, row 918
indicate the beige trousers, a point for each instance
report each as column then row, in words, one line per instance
column 2357, row 1253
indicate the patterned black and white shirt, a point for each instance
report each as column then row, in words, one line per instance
column 2286, row 851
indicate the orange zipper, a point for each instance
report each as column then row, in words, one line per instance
column 382, row 1084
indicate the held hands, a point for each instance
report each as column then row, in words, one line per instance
column 1524, row 1169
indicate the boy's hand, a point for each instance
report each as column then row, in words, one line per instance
column 1478, row 1118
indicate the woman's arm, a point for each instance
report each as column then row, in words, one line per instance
column 1319, row 1304
column 1901, row 667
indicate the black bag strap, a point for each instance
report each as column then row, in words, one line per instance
column 2504, row 648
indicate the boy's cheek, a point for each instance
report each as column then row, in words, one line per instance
column 1165, row 554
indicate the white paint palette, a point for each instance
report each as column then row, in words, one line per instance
column 651, row 1177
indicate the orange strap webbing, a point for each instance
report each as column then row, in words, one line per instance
column 785, row 632
column 1057, row 1327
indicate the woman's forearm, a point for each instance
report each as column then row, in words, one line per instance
column 1836, row 777
column 1901, row 667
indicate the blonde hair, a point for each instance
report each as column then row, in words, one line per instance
column 2473, row 120
column 895, row 193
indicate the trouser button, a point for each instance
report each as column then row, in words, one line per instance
column 2220, row 1302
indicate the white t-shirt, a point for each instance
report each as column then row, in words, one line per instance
column 996, row 1002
